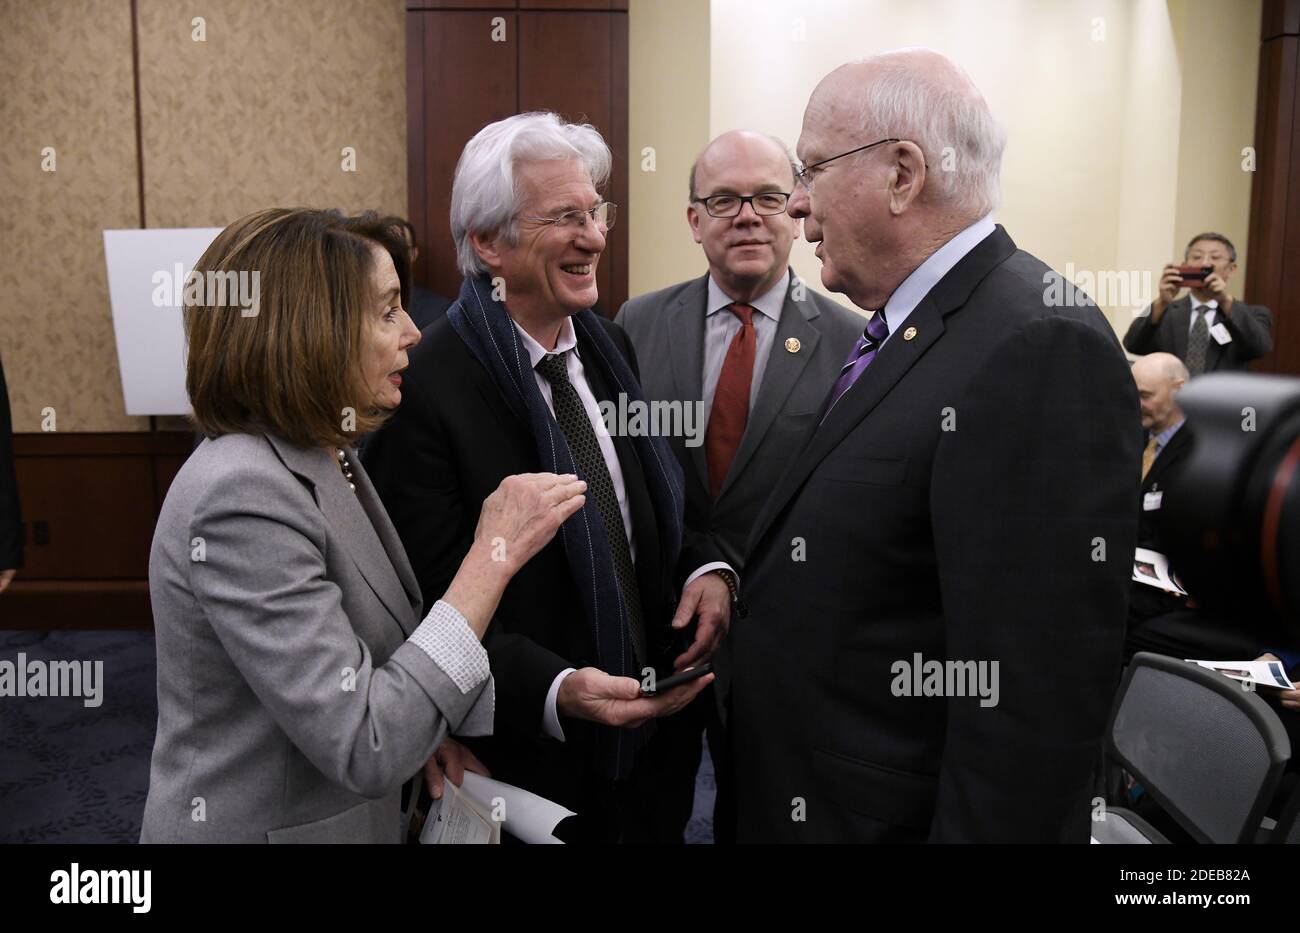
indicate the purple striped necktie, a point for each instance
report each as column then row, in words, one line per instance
column 864, row 351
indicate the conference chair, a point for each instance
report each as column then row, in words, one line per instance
column 1209, row 752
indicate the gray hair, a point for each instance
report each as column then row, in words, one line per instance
column 485, row 193
column 952, row 127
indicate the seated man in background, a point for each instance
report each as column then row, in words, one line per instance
column 1162, row 621
column 1207, row 329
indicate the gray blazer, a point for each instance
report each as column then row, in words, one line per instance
column 1251, row 327
column 297, row 687
column 667, row 331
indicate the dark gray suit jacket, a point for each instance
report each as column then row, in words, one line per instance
column 1251, row 327
column 964, row 540
column 667, row 330
column 293, row 701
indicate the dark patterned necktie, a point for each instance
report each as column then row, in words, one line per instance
column 1198, row 342
column 863, row 352
column 573, row 421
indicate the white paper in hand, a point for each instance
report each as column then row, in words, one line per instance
column 525, row 815
column 456, row 819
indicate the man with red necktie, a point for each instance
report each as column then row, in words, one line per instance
column 754, row 349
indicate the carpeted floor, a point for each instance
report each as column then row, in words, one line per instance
column 73, row 774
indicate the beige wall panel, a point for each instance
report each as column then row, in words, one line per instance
column 258, row 114
column 65, row 75
column 668, row 100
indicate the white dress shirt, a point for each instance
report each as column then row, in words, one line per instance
column 1208, row 308
column 927, row 275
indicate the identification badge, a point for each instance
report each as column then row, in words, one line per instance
column 1151, row 501
column 1220, row 334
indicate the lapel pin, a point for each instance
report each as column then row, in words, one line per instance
column 909, row 333
column 792, row 344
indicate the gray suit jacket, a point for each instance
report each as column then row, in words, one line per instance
column 293, row 702
column 667, row 331
column 1251, row 327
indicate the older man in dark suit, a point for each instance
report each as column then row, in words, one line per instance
column 1161, row 621
column 1207, row 328
column 749, row 346
column 937, row 585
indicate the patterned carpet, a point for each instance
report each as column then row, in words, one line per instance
column 69, row 773
column 73, row 774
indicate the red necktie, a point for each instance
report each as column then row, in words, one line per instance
column 730, row 401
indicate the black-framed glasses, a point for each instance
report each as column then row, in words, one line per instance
column 806, row 174
column 764, row 204
column 604, row 213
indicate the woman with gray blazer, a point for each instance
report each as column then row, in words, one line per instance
column 299, row 686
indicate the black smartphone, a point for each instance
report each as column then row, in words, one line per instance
column 681, row 677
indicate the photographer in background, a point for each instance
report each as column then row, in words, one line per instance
column 1207, row 329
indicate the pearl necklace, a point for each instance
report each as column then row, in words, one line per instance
column 346, row 467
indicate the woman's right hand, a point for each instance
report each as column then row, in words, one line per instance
column 523, row 514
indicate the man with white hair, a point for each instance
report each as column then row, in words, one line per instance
column 512, row 380
column 937, row 584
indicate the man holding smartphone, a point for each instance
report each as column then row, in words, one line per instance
column 1207, row 329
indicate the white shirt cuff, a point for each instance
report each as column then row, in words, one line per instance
column 550, row 715
column 450, row 643
column 709, row 568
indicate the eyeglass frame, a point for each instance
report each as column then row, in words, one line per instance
column 801, row 176
column 745, row 199
column 591, row 212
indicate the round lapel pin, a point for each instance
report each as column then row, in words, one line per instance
column 792, row 344
column 909, row 333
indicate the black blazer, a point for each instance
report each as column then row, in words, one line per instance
column 1163, row 475
column 1251, row 327
column 11, row 528
column 447, row 449
column 426, row 306
column 951, row 505
column 1146, row 602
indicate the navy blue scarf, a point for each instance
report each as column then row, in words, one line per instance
column 482, row 322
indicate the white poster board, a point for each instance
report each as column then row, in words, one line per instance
column 146, row 272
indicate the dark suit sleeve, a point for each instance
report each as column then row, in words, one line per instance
column 11, row 546
column 1251, row 327
column 1141, row 336
column 414, row 469
column 1041, row 469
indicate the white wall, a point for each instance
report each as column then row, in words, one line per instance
column 1104, row 171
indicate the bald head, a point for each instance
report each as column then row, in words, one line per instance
column 737, row 146
column 923, row 96
column 1159, row 376
column 925, row 66
column 902, row 154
